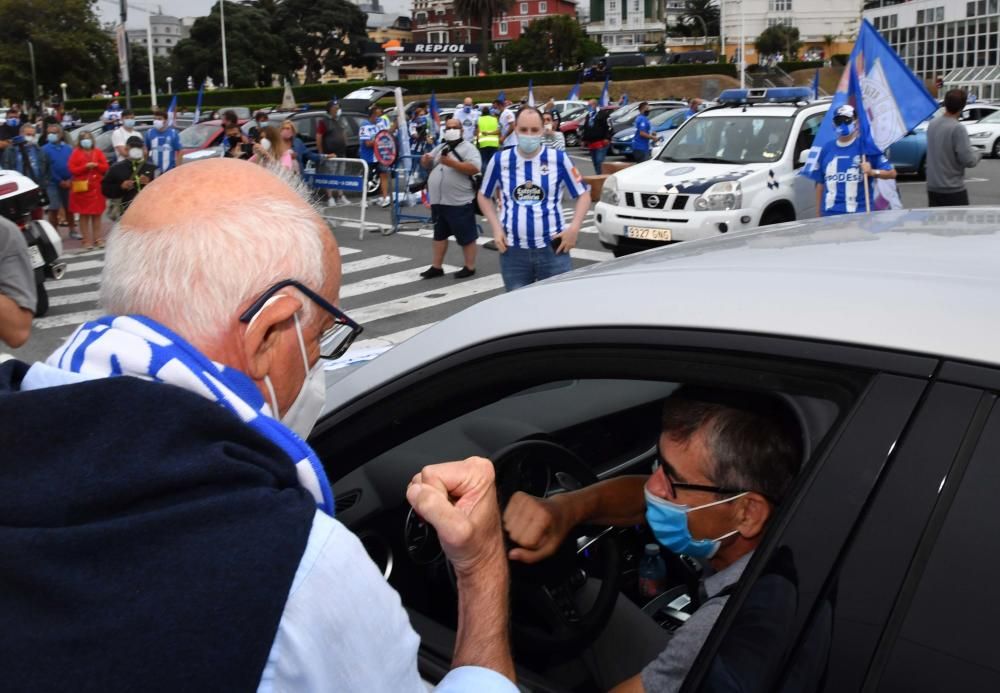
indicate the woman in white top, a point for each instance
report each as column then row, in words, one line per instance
column 551, row 135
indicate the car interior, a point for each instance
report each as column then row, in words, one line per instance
column 551, row 423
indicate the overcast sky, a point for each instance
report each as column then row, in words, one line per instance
column 108, row 9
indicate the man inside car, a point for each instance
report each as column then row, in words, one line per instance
column 724, row 463
column 193, row 540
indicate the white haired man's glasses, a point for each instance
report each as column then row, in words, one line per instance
column 333, row 343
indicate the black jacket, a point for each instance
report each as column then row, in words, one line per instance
column 120, row 172
column 153, row 552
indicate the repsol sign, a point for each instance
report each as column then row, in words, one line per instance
column 440, row 48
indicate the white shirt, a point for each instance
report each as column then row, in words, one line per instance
column 507, row 119
column 120, row 136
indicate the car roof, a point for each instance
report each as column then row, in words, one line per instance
column 771, row 109
column 921, row 281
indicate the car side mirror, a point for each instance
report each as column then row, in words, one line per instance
column 803, row 157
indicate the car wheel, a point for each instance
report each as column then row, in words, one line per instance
column 776, row 216
column 374, row 181
column 620, row 252
column 572, row 139
column 922, row 170
column 996, row 148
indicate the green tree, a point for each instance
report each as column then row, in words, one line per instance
column 322, row 36
column 549, row 42
column 69, row 47
column 699, row 18
column 253, row 48
column 138, row 70
column 484, row 11
column 779, row 39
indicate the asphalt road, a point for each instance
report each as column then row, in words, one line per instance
column 382, row 288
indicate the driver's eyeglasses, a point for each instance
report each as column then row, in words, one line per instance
column 674, row 486
column 333, row 343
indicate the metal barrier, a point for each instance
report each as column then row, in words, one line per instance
column 404, row 172
column 345, row 183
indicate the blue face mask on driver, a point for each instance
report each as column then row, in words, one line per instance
column 670, row 526
column 846, row 129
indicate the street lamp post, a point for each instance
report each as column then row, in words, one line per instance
column 225, row 64
column 473, row 61
column 34, row 82
column 63, row 85
column 170, row 85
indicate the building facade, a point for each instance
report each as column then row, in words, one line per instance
column 510, row 25
column 628, row 26
column 166, row 32
column 435, row 21
column 826, row 27
column 953, row 41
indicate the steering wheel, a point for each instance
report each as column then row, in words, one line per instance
column 548, row 588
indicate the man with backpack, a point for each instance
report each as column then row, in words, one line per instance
column 331, row 142
column 596, row 135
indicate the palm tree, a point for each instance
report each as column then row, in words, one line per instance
column 485, row 11
column 703, row 14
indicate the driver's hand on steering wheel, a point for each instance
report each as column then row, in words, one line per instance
column 537, row 525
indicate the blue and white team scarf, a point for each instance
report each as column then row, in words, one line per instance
column 142, row 348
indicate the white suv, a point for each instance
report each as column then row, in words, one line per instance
column 728, row 168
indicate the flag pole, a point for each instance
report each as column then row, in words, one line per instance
column 868, row 201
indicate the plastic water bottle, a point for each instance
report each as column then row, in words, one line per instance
column 652, row 572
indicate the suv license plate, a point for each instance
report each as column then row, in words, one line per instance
column 647, row 234
column 36, row 257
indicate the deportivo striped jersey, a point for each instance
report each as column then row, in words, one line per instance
column 530, row 193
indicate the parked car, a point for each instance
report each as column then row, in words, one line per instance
column 909, row 155
column 655, row 109
column 202, row 140
column 571, row 128
column 984, row 134
column 662, row 123
column 562, row 384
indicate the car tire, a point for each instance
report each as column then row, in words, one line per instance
column 621, row 252
column 776, row 216
column 572, row 139
column 374, row 181
column 996, row 148
column 922, row 170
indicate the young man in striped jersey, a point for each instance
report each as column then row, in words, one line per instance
column 529, row 231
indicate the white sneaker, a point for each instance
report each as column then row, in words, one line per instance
column 330, row 202
column 384, row 202
column 343, row 201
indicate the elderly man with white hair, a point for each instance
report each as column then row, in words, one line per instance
column 163, row 523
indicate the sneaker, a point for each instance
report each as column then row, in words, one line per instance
column 330, row 202
column 384, row 202
column 343, row 201
column 465, row 272
column 432, row 272
column 76, row 235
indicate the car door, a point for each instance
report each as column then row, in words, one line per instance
column 803, row 189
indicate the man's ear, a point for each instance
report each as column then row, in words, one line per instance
column 753, row 512
column 264, row 331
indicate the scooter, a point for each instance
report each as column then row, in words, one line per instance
column 22, row 202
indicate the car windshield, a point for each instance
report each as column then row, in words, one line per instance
column 992, row 118
column 661, row 118
column 736, row 139
column 198, row 136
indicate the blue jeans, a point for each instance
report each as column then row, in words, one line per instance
column 598, row 156
column 522, row 266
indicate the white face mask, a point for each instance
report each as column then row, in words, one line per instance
column 265, row 144
column 308, row 405
column 158, row 124
column 452, row 135
column 135, row 154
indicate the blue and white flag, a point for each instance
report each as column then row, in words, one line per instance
column 434, row 122
column 531, row 94
column 623, row 101
column 815, row 84
column 574, row 93
column 197, row 107
column 605, row 99
column 889, row 101
column 171, row 110
column 501, row 97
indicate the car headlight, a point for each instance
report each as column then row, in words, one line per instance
column 720, row 197
column 978, row 134
column 609, row 193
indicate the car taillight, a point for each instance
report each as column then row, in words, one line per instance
column 37, row 214
column 8, row 188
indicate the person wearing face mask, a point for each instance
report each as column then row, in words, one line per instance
column 88, row 165
column 122, row 134
column 487, row 135
column 644, row 138
column 695, row 106
column 551, row 137
column 163, row 144
column 11, row 126
column 468, row 114
column 199, row 493
column 366, row 137
column 529, row 231
column 112, row 116
column 126, row 178
column 844, row 169
column 60, row 180
column 27, row 158
column 451, row 190
column 725, row 461
column 275, row 148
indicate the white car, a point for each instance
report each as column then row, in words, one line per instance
column 984, row 135
column 728, row 168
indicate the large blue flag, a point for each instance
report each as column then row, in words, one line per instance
column 888, row 98
column 435, row 116
column 501, row 97
column 605, row 99
column 574, row 93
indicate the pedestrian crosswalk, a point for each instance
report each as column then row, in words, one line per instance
column 381, row 288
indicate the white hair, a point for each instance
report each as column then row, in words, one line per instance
column 195, row 275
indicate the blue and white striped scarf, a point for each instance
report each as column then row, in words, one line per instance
column 142, row 348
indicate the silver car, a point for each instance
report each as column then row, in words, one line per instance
column 875, row 334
